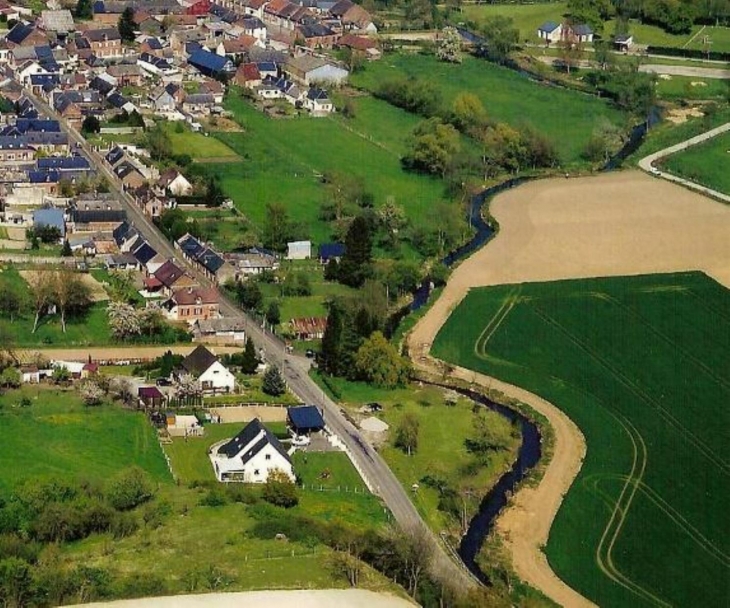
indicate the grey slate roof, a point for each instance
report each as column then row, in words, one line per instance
column 246, row 436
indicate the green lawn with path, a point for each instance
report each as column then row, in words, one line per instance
column 641, row 365
column 707, row 163
column 568, row 118
column 56, row 437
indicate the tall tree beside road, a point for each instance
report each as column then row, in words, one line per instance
column 40, row 295
column 356, row 263
column 126, row 24
column 379, row 363
column 249, row 361
column 273, row 383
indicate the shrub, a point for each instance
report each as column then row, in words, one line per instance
column 129, row 489
column 123, row 525
column 280, row 491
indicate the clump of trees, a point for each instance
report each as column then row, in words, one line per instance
column 62, row 290
column 378, row 362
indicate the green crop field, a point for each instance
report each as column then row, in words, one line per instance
column 567, row 117
column 56, row 437
column 284, row 161
column 641, row 365
column 707, row 164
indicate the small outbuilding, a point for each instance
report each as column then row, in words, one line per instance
column 299, row 250
column 150, row 396
column 305, row 419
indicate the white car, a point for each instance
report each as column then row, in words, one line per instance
column 300, row 440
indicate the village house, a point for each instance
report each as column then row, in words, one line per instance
column 211, row 64
column 209, row 373
column 150, row 397
column 59, row 22
column 220, row 331
column 247, row 75
column 192, row 304
column 252, row 262
column 318, row 103
column 330, row 251
column 210, row 262
column 251, row 456
column 317, row 35
column 172, row 278
column 361, row 45
column 126, row 74
column 96, row 213
column 174, row 182
column 105, row 43
column 198, row 103
column 353, row 17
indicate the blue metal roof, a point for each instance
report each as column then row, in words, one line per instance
column 63, row 162
column 209, row 62
column 331, row 250
column 305, row 417
column 548, row 26
column 43, row 125
column 43, row 177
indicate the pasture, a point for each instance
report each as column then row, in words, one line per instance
column 641, row 365
column 200, row 147
column 284, row 161
column 707, row 163
column 53, row 436
column 691, row 88
column 568, row 118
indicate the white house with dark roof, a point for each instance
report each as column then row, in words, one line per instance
column 550, row 31
column 251, row 456
column 208, row 371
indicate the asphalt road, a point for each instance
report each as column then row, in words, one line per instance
column 647, row 163
column 685, row 70
column 371, row 466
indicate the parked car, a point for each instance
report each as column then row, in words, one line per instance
column 309, row 354
column 163, row 382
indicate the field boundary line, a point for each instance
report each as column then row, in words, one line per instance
column 633, row 388
column 686, row 44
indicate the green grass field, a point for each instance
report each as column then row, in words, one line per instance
column 712, row 38
column 442, row 452
column 707, row 164
column 641, row 365
column 285, row 159
column 507, row 96
column 198, row 146
column 56, row 437
column 691, row 88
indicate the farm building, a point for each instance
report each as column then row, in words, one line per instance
column 310, row 70
column 299, row 250
column 220, row 331
column 308, row 328
column 330, row 251
column 305, row 419
column 251, row 456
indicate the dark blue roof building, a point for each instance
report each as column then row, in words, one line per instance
column 211, row 64
column 305, row 419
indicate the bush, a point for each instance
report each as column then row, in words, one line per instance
column 280, row 491
column 214, row 498
column 123, row 525
column 129, row 489
column 141, row 584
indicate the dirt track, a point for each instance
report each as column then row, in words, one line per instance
column 615, row 224
column 114, row 353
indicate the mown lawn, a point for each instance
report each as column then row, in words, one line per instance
column 527, row 17
column 284, row 161
column 56, row 437
column 713, row 38
column 198, row 146
column 641, row 365
column 707, row 164
column 568, row 118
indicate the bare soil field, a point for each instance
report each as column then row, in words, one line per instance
column 248, row 413
column 112, row 353
column 612, row 225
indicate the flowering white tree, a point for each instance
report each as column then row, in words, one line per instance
column 449, row 47
column 124, row 320
column 91, row 393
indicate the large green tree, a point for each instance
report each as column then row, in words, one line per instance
column 432, row 147
column 500, row 36
column 83, row 10
column 356, row 263
column 379, row 363
column 249, row 361
column 126, row 24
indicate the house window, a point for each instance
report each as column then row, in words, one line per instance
column 268, row 457
column 256, row 473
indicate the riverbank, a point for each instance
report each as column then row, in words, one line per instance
column 611, row 225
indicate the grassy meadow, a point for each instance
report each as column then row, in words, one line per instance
column 284, row 161
column 56, row 437
column 566, row 117
column 641, row 365
column 679, row 88
column 442, row 452
column 200, row 147
column 707, row 163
